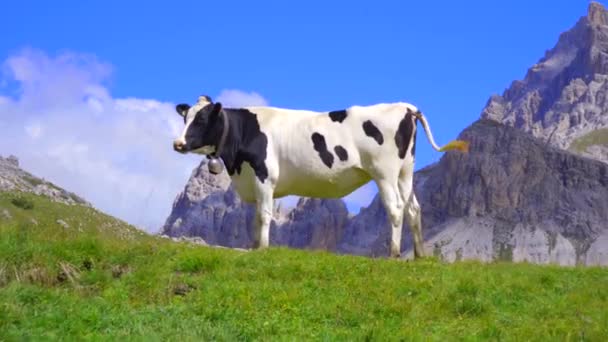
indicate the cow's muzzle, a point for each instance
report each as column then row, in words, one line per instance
column 179, row 146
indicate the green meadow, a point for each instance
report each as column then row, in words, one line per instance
column 92, row 277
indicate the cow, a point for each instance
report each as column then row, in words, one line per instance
column 273, row 152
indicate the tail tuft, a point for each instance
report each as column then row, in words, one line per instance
column 460, row 145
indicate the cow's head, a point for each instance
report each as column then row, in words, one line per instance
column 203, row 127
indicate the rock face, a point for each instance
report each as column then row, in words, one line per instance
column 511, row 198
column 13, row 178
column 209, row 208
column 314, row 223
column 564, row 97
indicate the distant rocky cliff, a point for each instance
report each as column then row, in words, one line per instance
column 13, row 178
column 563, row 98
column 511, row 198
column 210, row 209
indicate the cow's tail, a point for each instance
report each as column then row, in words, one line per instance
column 459, row 145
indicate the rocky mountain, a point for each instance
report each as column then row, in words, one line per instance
column 13, row 178
column 513, row 197
column 314, row 223
column 209, row 208
column 563, row 98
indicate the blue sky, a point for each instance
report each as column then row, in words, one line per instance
column 446, row 57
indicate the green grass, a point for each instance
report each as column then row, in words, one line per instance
column 597, row 137
column 100, row 279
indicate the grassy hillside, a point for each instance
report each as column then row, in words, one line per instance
column 97, row 278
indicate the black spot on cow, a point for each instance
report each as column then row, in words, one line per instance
column 404, row 135
column 245, row 141
column 341, row 153
column 373, row 132
column 338, row 115
column 320, row 146
column 414, row 140
column 414, row 144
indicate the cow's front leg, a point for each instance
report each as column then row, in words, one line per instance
column 263, row 214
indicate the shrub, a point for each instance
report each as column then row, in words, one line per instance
column 22, row 203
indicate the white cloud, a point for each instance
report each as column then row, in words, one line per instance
column 238, row 98
column 117, row 153
column 59, row 81
column 34, row 130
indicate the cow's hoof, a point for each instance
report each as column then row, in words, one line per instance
column 257, row 245
column 419, row 256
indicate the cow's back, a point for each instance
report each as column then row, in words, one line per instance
column 316, row 154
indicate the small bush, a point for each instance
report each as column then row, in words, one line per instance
column 22, row 203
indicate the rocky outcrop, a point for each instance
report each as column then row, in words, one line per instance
column 13, row 178
column 564, row 97
column 314, row 224
column 597, row 254
column 512, row 197
column 209, row 208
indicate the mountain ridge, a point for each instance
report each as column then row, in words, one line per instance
column 14, row 178
column 562, row 97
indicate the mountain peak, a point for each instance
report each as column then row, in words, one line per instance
column 562, row 98
column 596, row 14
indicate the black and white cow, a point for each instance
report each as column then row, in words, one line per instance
column 274, row 152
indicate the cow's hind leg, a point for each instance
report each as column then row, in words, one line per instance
column 412, row 209
column 263, row 213
column 413, row 215
column 393, row 203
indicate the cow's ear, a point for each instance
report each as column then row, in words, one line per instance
column 217, row 108
column 182, row 109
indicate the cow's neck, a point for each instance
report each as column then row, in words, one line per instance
column 231, row 145
column 245, row 143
